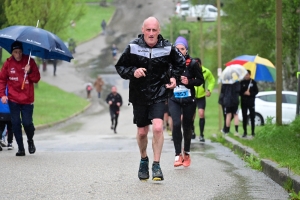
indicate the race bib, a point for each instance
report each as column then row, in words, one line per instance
column 181, row 92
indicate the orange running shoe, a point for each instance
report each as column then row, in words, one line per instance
column 178, row 161
column 187, row 160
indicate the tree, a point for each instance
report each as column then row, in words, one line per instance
column 249, row 28
column 54, row 16
column 3, row 21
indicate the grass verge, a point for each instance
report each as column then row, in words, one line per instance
column 278, row 143
column 53, row 104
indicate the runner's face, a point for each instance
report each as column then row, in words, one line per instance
column 151, row 31
column 182, row 49
column 114, row 90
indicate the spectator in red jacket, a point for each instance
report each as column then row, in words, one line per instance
column 20, row 75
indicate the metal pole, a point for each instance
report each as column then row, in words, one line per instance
column 279, row 62
column 219, row 60
column 171, row 30
column 298, row 90
column 190, row 43
column 201, row 40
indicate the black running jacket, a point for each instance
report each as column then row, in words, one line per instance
column 161, row 62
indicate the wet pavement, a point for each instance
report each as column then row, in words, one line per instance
column 83, row 159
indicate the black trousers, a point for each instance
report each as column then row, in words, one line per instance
column 245, row 109
column 9, row 130
column 114, row 115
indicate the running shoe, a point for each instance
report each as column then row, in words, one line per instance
column 186, row 160
column 157, row 174
column 201, row 139
column 10, row 146
column 144, row 170
column 178, row 161
column 3, row 143
column 193, row 135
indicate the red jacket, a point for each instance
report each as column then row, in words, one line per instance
column 12, row 75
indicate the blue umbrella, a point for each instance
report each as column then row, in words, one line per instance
column 36, row 41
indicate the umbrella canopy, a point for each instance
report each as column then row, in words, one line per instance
column 261, row 69
column 233, row 74
column 36, row 41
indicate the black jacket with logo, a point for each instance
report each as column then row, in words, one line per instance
column 245, row 99
column 161, row 62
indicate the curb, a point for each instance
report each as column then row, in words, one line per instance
column 278, row 174
column 43, row 126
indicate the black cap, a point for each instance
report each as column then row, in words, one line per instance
column 16, row 45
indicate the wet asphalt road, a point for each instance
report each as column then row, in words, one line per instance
column 84, row 159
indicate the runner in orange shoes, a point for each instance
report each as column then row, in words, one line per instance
column 186, row 160
column 178, row 161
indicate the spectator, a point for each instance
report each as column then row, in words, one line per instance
column 114, row 51
column 98, row 84
column 231, row 103
column 248, row 92
column 88, row 89
column 103, row 26
column 5, row 125
column 20, row 100
column 72, row 45
column 54, row 67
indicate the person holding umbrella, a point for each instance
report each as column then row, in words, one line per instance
column 19, row 73
column 230, row 78
column 248, row 92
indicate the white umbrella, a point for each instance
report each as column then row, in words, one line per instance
column 233, row 73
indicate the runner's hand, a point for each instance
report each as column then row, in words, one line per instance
column 172, row 83
column 138, row 73
column 208, row 93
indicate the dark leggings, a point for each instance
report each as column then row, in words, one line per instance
column 114, row 115
column 187, row 110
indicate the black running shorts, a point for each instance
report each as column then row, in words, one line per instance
column 143, row 114
column 201, row 103
column 233, row 110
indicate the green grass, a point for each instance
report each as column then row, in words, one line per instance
column 86, row 28
column 278, row 143
column 53, row 104
column 89, row 26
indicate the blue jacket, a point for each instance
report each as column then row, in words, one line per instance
column 4, row 110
